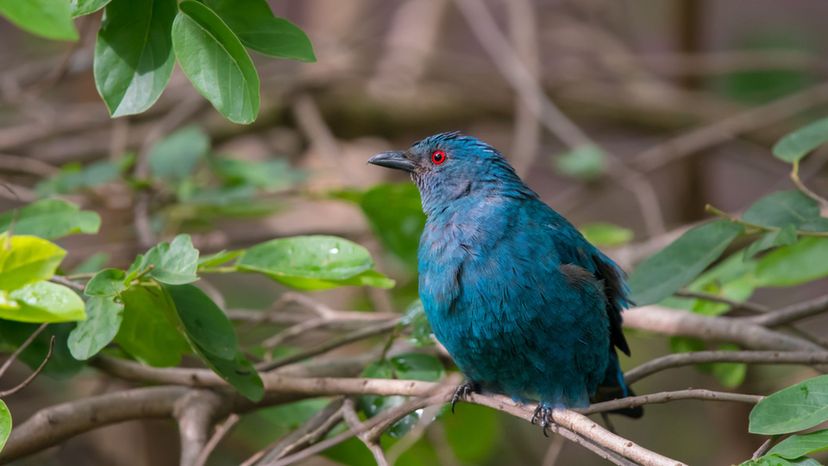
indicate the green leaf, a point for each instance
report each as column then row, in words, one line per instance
column 27, row 259
column 791, row 409
column 417, row 366
column 42, row 302
column 107, row 282
column 257, row 28
column 796, row 446
column 204, row 322
column 216, row 62
column 238, row 372
column 678, row 264
column 473, row 446
column 148, row 331
column 729, row 374
column 802, row 262
column 219, row 258
column 51, row 19
column 85, row 7
column 799, row 143
column 271, row 175
column 606, row 234
column 73, row 178
column 174, row 263
column 782, row 237
column 133, row 54
column 5, row 424
column 781, row 209
column 102, row 323
column 176, row 156
column 411, row 366
column 399, row 228
column 584, row 163
column 313, row 262
column 415, row 319
column 774, row 460
column 50, row 219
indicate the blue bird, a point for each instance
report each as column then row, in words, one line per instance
column 523, row 303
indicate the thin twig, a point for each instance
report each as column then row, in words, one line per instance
column 747, row 305
column 28, row 341
column 665, row 397
column 372, row 444
column 309, row 433
column 221, row 431
column 701, row 357
column 34, row 374
column 763, row 448
column 794, row 312
column 729, row 127
column 361, row 334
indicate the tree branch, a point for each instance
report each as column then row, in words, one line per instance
column 736, row 330
column 792, row 313
column 700, row 357
column 665, row 397
column 195, row 412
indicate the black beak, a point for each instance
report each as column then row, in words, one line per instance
column 393, row 159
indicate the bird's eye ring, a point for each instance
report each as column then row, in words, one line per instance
column 438, row 157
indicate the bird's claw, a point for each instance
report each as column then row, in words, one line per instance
column 463, row 390
column 543, row 416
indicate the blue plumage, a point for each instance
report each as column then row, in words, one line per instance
column 524, row 304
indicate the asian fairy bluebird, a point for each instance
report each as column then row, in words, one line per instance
column 523, row 303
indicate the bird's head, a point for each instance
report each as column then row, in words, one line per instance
column 450, row 166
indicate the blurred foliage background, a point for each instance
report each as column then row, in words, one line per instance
column 690, row 94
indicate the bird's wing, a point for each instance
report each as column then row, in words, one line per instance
column 573, row 248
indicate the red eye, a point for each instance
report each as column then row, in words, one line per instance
column 438, row 157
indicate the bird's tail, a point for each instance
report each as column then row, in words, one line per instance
column 613, row 387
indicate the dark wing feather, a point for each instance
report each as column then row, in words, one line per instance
column 616, row 293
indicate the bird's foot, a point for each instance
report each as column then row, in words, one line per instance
column 463, row 390
column 543, row 416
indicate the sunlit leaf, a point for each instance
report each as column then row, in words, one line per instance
column 255, row 25
column 215, row 61
column 27, row 259
column 5, row 424
column 133, row 54
column 313, row 262
column 51, row 19
column 42, row 302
